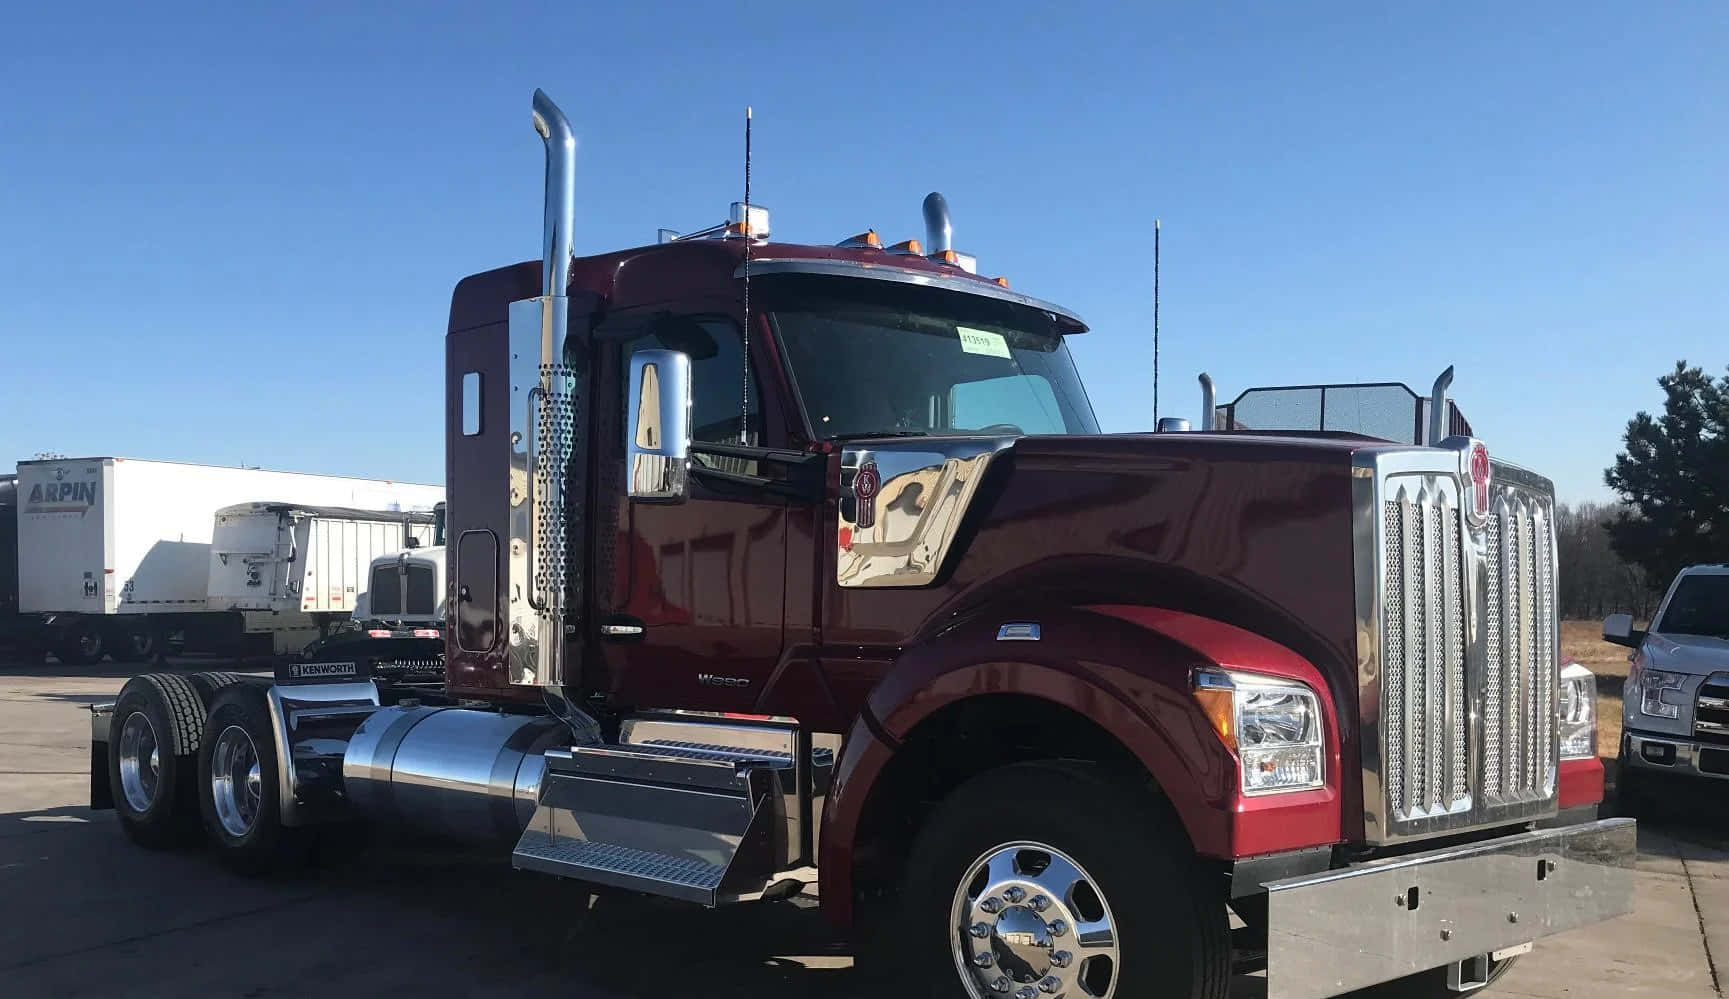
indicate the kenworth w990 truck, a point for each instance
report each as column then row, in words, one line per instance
column 776, row 565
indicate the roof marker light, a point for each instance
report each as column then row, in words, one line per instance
column 1001, row 282
column 867, row 240
column 908, row 248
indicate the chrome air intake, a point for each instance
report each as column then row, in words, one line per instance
column 543, row 426
column 472, row 776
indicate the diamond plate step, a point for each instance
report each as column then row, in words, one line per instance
column 621, row 867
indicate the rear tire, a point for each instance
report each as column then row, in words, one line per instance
column 152, row 759
column 237, row 784
column 138, row 643
column 1095, row 887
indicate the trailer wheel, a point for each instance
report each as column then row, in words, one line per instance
column 152, row 758
column 1091, row 892
column 83, row 644
column 237, row 786
column 137, row 643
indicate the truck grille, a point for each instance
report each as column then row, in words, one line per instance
column 1460, row 667
column 1711, row 712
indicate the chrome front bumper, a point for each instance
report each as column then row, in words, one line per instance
column 1347, row 929
column 1686, row 760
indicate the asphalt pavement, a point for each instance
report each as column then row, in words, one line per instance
column 85, row 913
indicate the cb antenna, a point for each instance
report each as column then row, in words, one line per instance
column 744, row 377
column 1155, row 322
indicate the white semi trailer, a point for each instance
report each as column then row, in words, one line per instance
column 293, row 570
column 114, row 554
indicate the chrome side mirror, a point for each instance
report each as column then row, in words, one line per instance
column 657, row 427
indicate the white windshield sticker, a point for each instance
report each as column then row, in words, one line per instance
column 983, row 342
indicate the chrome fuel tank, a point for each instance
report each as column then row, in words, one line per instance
column 456, row 772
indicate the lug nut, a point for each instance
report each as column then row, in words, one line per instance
column 1446, row 934
column 1050, row 985
column 992, row 905
column 1000, row 985
column 1026, row 992
column 1512, row 917
column 1040, row 903
column 1014, row 895
column 980, row 930
column 984, row 960
column 1058, row 928
column 1061, row 959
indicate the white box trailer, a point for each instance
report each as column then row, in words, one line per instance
column 115, row 552
column 301, row 568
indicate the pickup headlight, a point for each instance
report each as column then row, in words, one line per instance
column 1657, row 692
column 1273, row 725
column 1578, row 713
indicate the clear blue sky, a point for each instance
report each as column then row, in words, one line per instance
column 229, row 236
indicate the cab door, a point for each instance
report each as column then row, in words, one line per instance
column 704, row 579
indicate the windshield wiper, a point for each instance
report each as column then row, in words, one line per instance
column 880, row 433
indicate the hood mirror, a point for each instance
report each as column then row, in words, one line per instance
column 657, row 426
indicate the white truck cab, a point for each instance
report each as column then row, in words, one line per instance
column 1675, row 705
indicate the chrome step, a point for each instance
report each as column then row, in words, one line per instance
column 704, row 812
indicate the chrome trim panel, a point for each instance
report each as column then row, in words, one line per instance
column 309, row 749
column 903, row 275
column 1351, row 928
column 899, row 531
column 1457, row 644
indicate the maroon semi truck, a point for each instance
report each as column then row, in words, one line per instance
column 777, row 566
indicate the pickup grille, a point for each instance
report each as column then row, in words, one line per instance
column 1711, row 712
column 1460, row 672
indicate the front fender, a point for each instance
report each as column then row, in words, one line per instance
column 1126, row 669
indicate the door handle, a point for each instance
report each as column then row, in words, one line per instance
column 622, row 628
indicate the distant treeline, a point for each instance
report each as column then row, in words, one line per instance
column 1594, row 581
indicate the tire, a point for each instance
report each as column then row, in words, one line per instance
column 237, row 780
column 1631, row 798
column 153, row 759
column 138, row 643
column 1431, row 984
column 83, row 644
column 209, row 684
column 1094, row 855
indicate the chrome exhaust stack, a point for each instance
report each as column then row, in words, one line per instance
column 542, row 410
column 1209, row 410
column 939, row 230
column 1438, row 408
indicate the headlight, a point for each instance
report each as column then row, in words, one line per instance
column 1659, row 692
column 1578, row 713
column 1273, row 725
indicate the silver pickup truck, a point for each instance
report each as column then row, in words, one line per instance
column 1675, row 705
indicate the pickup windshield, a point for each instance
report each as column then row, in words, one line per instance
column 878, row 358
column 1700, row 606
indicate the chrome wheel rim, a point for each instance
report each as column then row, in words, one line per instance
column 1029, row 922
column 140, row 762
column 236, row 785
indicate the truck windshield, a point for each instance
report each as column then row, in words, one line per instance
column 876, row 358
column 1700, row 606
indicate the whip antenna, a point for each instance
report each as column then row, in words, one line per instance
column 744, row 377
column 1155, row 322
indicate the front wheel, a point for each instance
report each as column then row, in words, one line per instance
column 1092, row 891
column 83, row 644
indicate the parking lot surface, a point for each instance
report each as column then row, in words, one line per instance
column 87, row 914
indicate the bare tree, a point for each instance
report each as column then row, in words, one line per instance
column 1594, row 580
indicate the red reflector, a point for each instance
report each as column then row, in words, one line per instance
column 426, row 633
column 378, row 633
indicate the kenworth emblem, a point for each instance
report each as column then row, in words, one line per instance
column 1479, row 472
column 866, row 483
